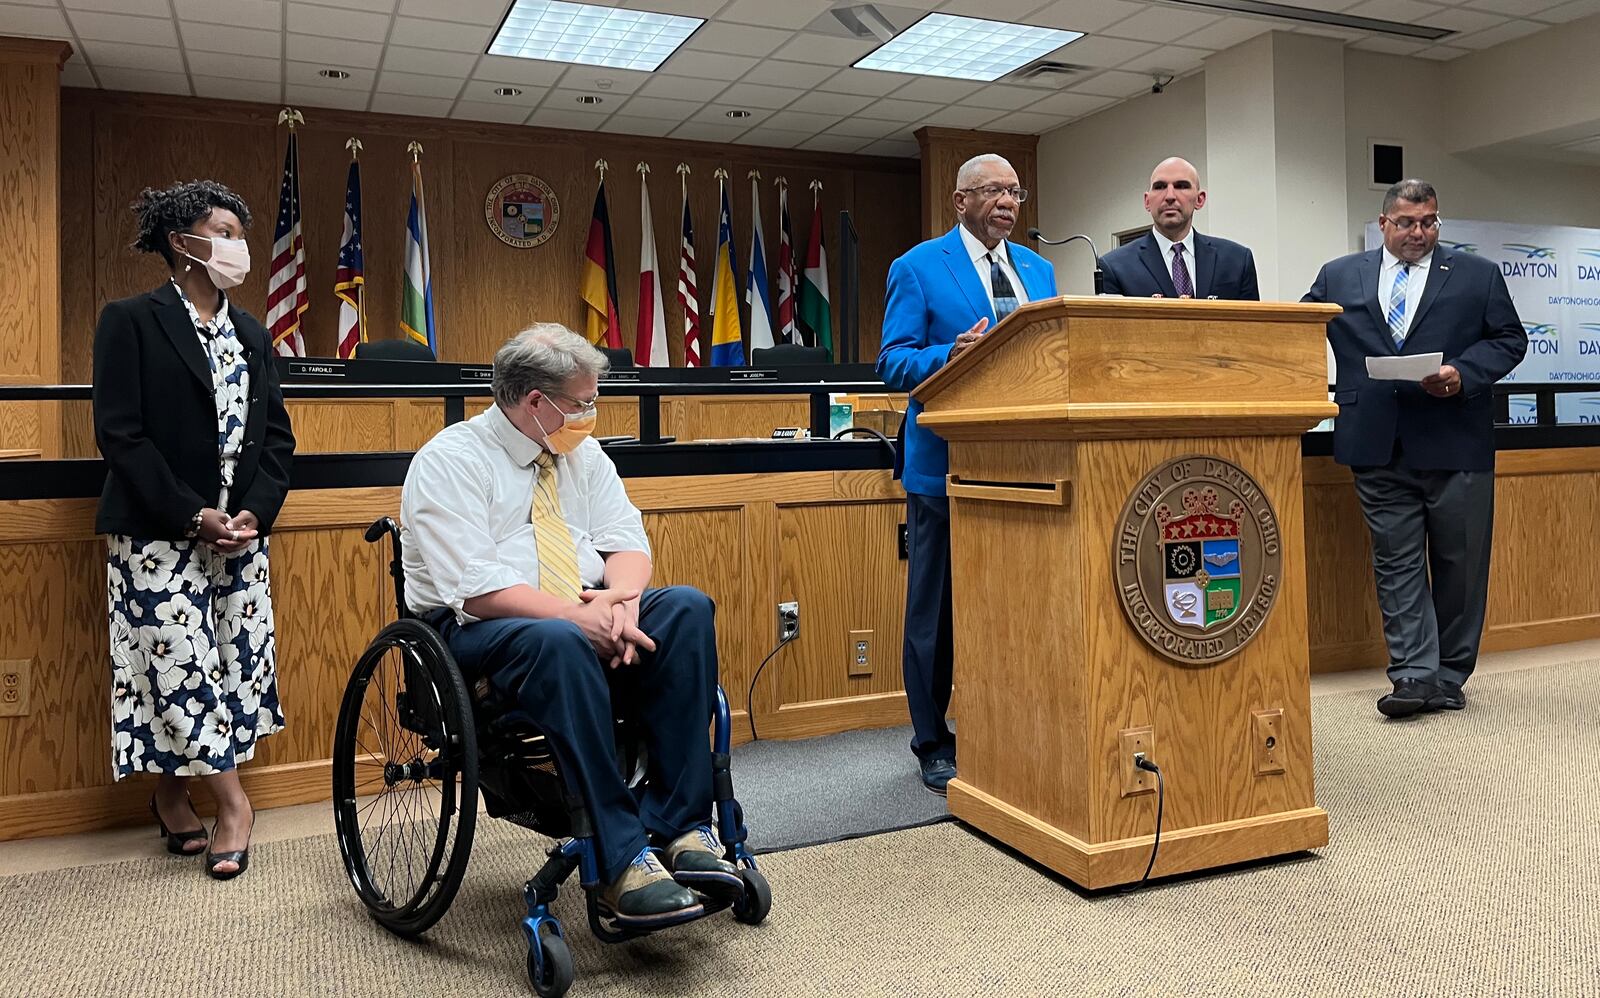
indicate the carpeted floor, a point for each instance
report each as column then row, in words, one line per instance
column 1462, row 863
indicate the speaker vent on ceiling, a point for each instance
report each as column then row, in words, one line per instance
column 1045, row 72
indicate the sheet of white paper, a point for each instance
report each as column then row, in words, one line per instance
column 1410, row 367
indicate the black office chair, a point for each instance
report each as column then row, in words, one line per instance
column 401, row 349
column 620, row 357
column 788, row 355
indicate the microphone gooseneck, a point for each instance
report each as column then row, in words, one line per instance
column 1099, row 276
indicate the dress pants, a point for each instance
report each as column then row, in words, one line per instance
column 1431, row 532
column 928, row 654
column 549, row 669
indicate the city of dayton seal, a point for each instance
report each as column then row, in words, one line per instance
column 1198, row 558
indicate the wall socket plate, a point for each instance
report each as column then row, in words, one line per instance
column 788, row 619
column 16, row 681
column 1130, row 740
column 859, row 651
column 1266, row 728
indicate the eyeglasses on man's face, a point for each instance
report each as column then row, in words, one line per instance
column 1430, row 223
column 991, row 192
column 584, row 406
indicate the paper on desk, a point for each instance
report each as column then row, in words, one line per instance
column 1410, row 367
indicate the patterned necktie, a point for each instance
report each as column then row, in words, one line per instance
column 1397, row 306
column 558, row 555
column 1005, row 296
column 1180, row 273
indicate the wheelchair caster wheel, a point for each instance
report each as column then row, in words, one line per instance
column 558, row 973
column 752, row 907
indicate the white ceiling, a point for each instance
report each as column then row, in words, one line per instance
column 425, row 57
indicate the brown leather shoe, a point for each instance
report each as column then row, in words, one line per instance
column 696, row 861
column 646, row 896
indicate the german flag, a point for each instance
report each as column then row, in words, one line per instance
column 600, row 277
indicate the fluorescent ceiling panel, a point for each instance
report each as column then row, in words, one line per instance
column 964, row 48
column 591, row 36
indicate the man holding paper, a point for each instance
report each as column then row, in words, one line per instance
column 1425, row 334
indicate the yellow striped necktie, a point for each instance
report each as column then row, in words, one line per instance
column 558, row 555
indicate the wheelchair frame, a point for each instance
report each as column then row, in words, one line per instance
column 512, row 758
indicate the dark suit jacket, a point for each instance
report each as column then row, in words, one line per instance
column 1466, row 314
column 155, row 420
column 1222, row 269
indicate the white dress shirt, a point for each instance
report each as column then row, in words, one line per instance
column 1416, row 283
column 980, row 263
column 466, row 513
column 1188, row 254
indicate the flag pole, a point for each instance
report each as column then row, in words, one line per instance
column 354, row 145
column 816, row 192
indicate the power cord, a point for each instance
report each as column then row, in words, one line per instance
column 1143, row 762
column 750, row 697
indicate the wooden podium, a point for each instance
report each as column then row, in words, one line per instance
column 1129, row 575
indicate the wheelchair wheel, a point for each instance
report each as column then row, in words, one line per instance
column 405, row 778
column 558, row 973
column 753, row 906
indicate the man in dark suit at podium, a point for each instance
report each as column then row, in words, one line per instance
column 943, row 294
column 1422, row 454
column 1172, row 260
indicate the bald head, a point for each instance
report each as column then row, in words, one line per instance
column 1174, row 195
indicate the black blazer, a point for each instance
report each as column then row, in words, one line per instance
column 1465, row 313
column 1222, row 269
column 155, row 419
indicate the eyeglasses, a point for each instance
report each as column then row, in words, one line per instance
column 991, row 192
column 1429, row 224
column 584, row 408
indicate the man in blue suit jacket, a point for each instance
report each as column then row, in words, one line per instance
column 942, row 295
column 1172, row 260
column 1422, row 454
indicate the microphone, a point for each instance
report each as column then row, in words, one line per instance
column 1099, row 277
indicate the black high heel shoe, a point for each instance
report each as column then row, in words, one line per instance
column 177, row 840
column 240, row 856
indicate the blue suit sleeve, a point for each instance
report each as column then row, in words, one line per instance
column 1112, row 285
column 906, row 358
column 1502, row 347
column 1248, row 289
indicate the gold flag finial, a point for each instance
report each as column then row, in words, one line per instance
column 754, row 174
column 782, row 182
column 415, row 149
column 816, row 190
column 292, row 117
column 643, row 167
column 602, row 166
column 354, row 145
column 683, row 178
column 720, row 173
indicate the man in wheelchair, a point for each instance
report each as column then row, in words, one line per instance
column 522, row 548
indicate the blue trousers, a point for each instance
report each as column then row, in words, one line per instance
column 929, row 656
column 550, row 670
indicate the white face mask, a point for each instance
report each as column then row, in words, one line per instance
column 230, row 260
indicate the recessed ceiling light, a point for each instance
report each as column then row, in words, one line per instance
column 964, row 48
column 333, row 74
column 738, row 113
column 590, row 35
column 507, row 92
column 590, row 99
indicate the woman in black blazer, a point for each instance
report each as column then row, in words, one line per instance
column 197, row 444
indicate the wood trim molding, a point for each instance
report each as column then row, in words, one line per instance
column 34, row 50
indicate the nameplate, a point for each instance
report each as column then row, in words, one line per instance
column 752, row 375
column 786, row 433
column 316, row 369
column 627, row 375
column 477, row 374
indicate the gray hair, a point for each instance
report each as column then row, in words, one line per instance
column 542, row 358
column 1415, row 191
column 969, row 170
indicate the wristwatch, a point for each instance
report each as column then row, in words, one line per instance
column 193, row 530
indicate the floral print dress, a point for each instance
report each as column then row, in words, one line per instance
column 194, row 679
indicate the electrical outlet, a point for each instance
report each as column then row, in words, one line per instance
column 15, row 676
column 1131, row 740
column 788, row 620
column 1268, row 730
column 860, row 651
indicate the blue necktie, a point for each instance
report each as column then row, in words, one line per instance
column 1005, row 296
column 1397, row 306
column 1181, row 282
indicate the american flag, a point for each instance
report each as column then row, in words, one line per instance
column 688, row 294
column 349, row 278
column 787, row 285
column 287, row 297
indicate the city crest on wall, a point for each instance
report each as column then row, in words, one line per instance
column 522, row 210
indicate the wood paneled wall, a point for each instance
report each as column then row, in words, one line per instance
column 943, row 152
column 116, row 144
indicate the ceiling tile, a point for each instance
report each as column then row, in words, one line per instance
column 940, row 91
column 603, row 80
column 899, row 148
column 357, row 25
column 36, row 22
column 243, row 67
column 660, row 107
column 478, row 110
column 756, row 95
column 1329, row 31
column 513, row 70
column 1026, row 123
column 774, row 13
column 1084, row 15
column 628, row 124
column 1443, row 53
column 124, row 28
column 780, row 138
column 1510, row 8
column 483, row 91
column 1168, row 60
column 375, row 6
column 1461, row 19
column 490, row 12
column 704, row 131
column 825, row 50
column 234, row 88
column 310, row 98
column 707, row 65
column 418, row 85
column 1102, row 52
column 960, row 117
column 683, row 88
column 688, row 8
column 834, row 104
column 567, row 100
column 833, row 143
column 1394, row 10
column 894, row 109
column 1570, row 11
column 1113, row 83
column 736, row 39
column 425, row 34
column 265, row 14
column 993, row 10
column 869, row 128
column 76, row 74
column 428, row 61
column 1162, row 24
column 1389, row 46
column 867, row 82
column 776, row 73
column 1328, row 5
column 305, row 74
column 148, row 81
column 1072, row 105
column 143, row 8
column 801, row 121
column 1227, row 33
column 335, row 53
column 1497, row 35
column 1004, row 97
column 428, row 107
column 560, row 117
column 239, row 41
column 157, row 57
